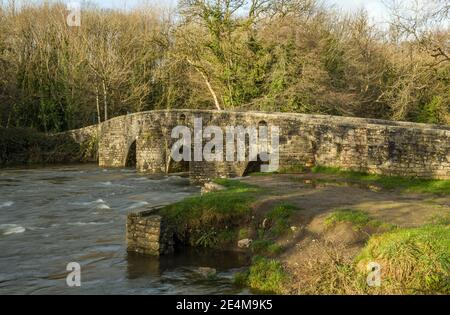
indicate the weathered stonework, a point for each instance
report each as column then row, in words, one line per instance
column 148, row 234
column 369, row 145
column 84, row 134
column 87, row 138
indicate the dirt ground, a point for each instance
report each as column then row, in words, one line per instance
column 312, row 242
column 316, row 199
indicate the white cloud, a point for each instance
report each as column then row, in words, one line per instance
column 375, row 8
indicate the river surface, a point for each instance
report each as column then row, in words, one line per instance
column 54, row 216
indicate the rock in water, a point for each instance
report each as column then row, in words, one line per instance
column 210, row 187
column 245, row 243
column 207, row 272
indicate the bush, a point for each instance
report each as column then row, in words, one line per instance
column 20, row 146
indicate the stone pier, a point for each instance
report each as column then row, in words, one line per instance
column 148, row 234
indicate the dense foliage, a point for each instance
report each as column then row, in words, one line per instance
column 24, row 146
column 291, row 55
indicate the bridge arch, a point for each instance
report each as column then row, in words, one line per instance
column 131, row 156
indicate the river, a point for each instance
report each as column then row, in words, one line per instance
column 50, row 217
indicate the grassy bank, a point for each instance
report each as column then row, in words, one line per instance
column 219, row 219
column 389, row 182
column 412, row 260
column 213, row 219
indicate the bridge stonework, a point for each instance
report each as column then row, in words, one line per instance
column 368, row 145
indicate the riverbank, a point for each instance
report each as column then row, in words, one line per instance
column 315, row 232
column 28, row 147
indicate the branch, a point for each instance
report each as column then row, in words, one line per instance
column 208, row 84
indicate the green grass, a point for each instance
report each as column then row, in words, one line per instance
column 244, row 233
column 210, row 220
column 358, row 218
column 442, row 219
column 390, row 182
column 264, row 275
column 280, row 218
column 266, row 247
column 414, row 260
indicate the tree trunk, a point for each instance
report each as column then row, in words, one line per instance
column 98, row 106
column 105, row 101
column 208, row 84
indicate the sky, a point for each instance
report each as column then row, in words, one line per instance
column 375, row 8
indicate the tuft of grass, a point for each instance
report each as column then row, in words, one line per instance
column 280, row 218
column 413, row 260
column 336, row 275
column 203, row 220
column 443, row 219
column 244, row 233
column 266, row 248
column 409, row 184
column 358, row 218
column 264, row 275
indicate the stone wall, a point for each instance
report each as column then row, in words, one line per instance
column 369, row 145
column 84, row 134
column 148, row 234
column 87, row 138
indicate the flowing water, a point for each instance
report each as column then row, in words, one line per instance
column 53, row 216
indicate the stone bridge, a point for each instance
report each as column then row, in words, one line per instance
column 374, row 146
